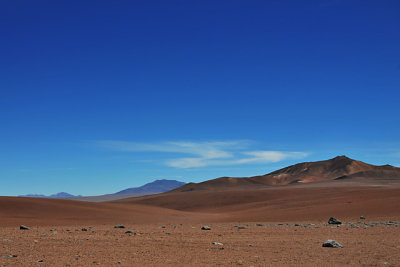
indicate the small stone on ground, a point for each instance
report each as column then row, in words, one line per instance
column 333, row 220
column 331, row 244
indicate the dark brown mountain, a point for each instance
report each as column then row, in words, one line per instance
column 338, row 168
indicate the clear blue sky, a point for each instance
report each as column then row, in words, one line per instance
column 98, row 96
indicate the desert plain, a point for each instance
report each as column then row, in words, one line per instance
column 283, row 226
column 280, row 219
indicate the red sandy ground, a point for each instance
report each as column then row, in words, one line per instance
column 187, row 245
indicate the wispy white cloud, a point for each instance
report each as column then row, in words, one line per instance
column 189, row 162
column 272, row 156
column 204, row 149
column 251, row 157
column 204, row 154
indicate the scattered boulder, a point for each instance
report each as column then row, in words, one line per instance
column 84, row 229
column 205, row 227
column 331, row 244
column 241, row 227
column 130, row 232
column 259, row 224
column 217, row 243
column 9, row 256
column 23, row 227
column 334, row 221
column 362, row 217
column 119, row 226
column 168, row 233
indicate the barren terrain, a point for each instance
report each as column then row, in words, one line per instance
column 283, row 226
column 187, row 245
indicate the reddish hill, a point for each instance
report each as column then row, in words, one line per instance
column 340, row 167
column 42, row 211
column 285, row 203
column 349, row 189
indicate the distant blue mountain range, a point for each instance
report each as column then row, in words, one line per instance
column 58, row 195
column 158, row 186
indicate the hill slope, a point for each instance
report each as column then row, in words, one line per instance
column 340, row 167
column 343, row 192
column 44, row 211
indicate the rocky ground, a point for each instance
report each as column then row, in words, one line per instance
column 365, row 242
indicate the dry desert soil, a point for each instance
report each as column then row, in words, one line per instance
column 268, row 226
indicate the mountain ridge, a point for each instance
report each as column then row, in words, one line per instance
column 57, row 195
column 157, row 186
column 338, row 168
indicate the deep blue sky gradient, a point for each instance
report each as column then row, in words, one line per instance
column 320, row 77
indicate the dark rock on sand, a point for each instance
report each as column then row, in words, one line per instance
column 332, row 244
column 334, row 221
